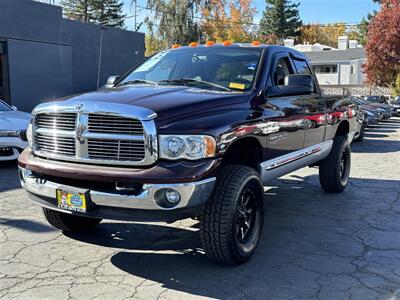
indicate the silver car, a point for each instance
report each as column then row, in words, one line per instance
column 13, row 125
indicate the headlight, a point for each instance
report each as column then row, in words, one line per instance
column 29, row 134
column 8, row 133
column 190, row 147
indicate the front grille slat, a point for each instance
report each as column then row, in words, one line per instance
column 60, row 121
column 116, row 150
column 55, row 145
column 112, row 124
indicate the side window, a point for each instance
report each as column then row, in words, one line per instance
column 301, row 66
column 282, row 69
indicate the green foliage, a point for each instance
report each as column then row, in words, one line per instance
column 108, row 12
column 173, row 21
column 105, row 12
column 396, row 87
column 281, row 18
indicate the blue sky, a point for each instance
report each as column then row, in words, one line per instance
column 322, row 11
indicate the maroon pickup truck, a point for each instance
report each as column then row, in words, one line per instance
column 191, row 132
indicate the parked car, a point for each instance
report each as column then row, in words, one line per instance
column 396, row 103
column 13, row 125
column 192, row 132
column 372, row 114
column 382, row 103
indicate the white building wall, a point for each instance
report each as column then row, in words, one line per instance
column 328, row 78
column 344, row 70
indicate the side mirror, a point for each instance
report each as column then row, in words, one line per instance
column 14, row 108
column 112, row 80
column 296, row 84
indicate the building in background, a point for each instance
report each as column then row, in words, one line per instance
column 341, row 66
column 45, row 57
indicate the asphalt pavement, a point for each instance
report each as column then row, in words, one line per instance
column 314, row 245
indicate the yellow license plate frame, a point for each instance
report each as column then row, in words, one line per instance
column 72, row 201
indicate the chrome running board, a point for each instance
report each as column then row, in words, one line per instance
column 290, row 162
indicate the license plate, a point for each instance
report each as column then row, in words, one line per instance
column 74, row 201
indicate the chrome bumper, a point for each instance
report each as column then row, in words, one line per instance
column 192, row 194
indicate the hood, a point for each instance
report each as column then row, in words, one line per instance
column 14, row 120
column 166, row 101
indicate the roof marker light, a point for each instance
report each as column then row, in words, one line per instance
column 227, row 43
column 210, row 43
column 256, row 43
column 175, row 46
column 193, row 44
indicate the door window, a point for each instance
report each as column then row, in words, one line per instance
column 301, row 66
column 282, row 69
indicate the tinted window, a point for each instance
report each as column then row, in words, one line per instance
column 282, row 69
column 301, row 66
column 224, row 66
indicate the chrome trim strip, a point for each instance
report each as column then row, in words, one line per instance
column 192, row 194
column 81, row 134
column 285, row 164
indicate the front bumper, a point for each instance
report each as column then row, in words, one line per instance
column 12, row 144
column 141, row 206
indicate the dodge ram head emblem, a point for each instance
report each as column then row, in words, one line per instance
column 79, row 106
column 80, row 129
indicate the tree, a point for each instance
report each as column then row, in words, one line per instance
column 228, row 20
column 281, row 17
column 383, row 45
column 323, row 34
column 106, row 12
column 80, row 10
column 174, row 20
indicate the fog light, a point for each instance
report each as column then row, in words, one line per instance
column 172, row 196
column 167, row 198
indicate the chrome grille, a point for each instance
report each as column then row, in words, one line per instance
column 61, row 121
column 113, row 124
column 55, row 144
column 116, row 150
column 95, row 133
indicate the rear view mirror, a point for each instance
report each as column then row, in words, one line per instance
column 296, row 84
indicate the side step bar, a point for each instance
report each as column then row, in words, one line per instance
column 290, row 162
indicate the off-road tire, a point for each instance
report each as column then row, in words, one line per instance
column 360, row 138
column 334, row 176
column 224, row 212
column 68, row 222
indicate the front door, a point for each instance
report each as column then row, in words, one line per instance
column 284, row 114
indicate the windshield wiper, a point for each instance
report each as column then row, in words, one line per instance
column 186, row 81
column 137, row 81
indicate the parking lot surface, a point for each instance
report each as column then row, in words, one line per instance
column 314, row 245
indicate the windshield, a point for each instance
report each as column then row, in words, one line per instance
column 4, row 107
column 216, row 68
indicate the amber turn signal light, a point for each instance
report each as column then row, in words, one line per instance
column 193, row 44
column 227, row 43
column 256, row 43
column 209, row 43
column 175, row 46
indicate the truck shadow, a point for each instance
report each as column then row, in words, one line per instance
column 376, row 145
column 306, row 233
